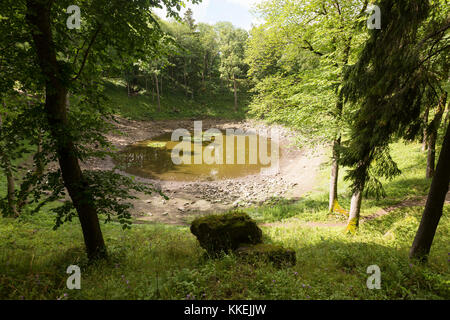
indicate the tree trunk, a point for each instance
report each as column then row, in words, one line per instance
column 334, row 175
column 235, row 95
column 435, row 203
column 38, row 18
column 431, row 156
column 26, row 187
column 447, row 117
column 153, row 88
column 355, row 211
column 157, row 92
column 185, row 79
column 425, row 138
column 205, row 66
column 11, row 191
column 10, row 183
column 432, row 133
column 161, row 91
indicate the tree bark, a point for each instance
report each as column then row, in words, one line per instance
column 334, row 175
column 11, row 191
column 10, row 183
column 431, row 155
column 355, row 210
column 447, row 117
column 25, row 188
column 235, row 94
column 425, row 138
column 333, row 196
column 434, row 207
column 153, row 89
column 205, row 66
column 432, row 133
column 38, row 18
column 185, row 79
column 157, row 92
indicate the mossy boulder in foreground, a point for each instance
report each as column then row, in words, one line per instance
column 278, row 255
column 225, row 232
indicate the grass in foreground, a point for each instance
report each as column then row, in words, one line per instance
column 160, row 262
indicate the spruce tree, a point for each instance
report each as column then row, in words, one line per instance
column 388, row 83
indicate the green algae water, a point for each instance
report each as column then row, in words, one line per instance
column 239, row 155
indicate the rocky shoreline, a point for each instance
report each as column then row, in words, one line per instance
column 296, row 176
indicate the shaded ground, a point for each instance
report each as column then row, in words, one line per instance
column 296, row 176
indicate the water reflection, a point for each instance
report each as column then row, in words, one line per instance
column 153, row 158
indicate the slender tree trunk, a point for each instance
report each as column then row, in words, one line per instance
column 425, row 138
column 431, row 156
column 435, row 203
column 11, row 191
column 26, row 187
column 447, row 117
column 39, row 162
column 333, row 194
column 153, row 88
column 161, row 92
column 10, row 183
column 205, row 66
column 432, row 133
column 185, row 79
column 38, row 18
column 334, row 175
column 157, row 92
column 235, row 94
column 68, row 101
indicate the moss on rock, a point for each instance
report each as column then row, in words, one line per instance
column 217, row 233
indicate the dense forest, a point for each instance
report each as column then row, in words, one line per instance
column 366, row 82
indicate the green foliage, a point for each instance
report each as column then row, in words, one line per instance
column 232, row 49
column 109, row 191
column 112, row 32
column 297, row 58
column 409, row 45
